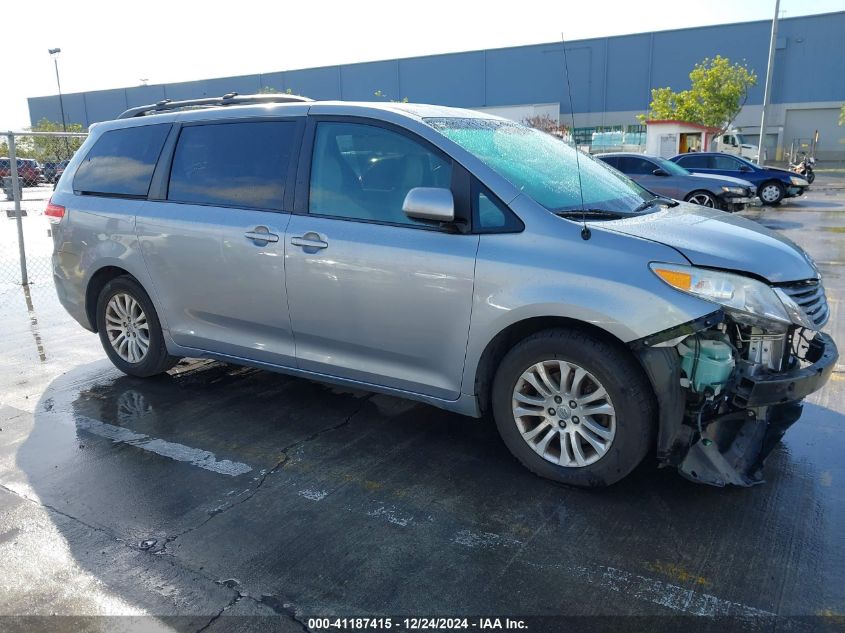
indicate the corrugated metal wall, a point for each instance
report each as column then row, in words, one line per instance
column 607, row 74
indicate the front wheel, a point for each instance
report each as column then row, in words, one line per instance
column 574, row 408
column 810, row 176
column 703, row 198
column 771, row 193
column 130, row 331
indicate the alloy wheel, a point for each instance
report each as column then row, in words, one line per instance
column 564, row 413
column 704, row 199
column 127, row 328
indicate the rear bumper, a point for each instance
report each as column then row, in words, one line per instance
column 69, row 288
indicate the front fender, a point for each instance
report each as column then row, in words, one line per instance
column 604, row 282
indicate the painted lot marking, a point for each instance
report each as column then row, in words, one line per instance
column 642, row 588
column 178, row 452
column 658, row 592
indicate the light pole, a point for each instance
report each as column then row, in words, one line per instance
column 767, row 90
column 54, row 53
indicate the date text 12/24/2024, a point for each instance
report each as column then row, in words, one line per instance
column 417, row 624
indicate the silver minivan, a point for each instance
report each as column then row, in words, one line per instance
column 447, row 256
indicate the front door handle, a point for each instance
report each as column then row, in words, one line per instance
column 310, row 240
column 261, row 234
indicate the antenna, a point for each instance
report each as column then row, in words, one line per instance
column 585, row 230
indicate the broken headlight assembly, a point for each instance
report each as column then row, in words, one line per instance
column 747, row 300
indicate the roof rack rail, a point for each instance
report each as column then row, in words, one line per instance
column 232, row 98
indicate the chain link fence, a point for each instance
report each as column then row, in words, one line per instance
column 31, row 162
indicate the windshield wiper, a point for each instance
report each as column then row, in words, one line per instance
column 652, row 201
column 592, row 214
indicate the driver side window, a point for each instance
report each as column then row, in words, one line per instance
column 364, row 172
column 725, row 162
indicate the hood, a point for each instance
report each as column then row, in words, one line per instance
column 711, row 238
column 785, row 172
column 729, row 181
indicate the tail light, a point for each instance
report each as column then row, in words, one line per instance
column 54, row 212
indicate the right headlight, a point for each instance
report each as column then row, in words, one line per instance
column 747, row 300
column 798, row 182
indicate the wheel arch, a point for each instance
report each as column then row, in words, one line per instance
column 95, row 286
column 515, row 332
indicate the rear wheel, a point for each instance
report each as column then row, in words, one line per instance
column 130, row 331
column 771, row 193
column 573, row 408
column 704, row 198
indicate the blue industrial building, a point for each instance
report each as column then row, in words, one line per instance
column 611, row 80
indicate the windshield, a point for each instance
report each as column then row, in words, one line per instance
column 742, row 159
column 543, row 166
column 673, row 169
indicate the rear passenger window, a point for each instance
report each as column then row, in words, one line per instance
column 121, row 162
column 232, row 164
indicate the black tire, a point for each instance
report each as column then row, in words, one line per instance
column 768, row 186
column 811, row 176
column 622, row 378
column 702, row 194
column 156, row 360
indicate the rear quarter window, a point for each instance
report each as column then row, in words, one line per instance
column 121, row 162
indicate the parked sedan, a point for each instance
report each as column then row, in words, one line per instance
column 773, row 185
column 673, row 181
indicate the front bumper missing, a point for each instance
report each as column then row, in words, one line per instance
column 731, row 449
column 778, row 388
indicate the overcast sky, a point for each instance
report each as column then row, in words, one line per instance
column 109, row 44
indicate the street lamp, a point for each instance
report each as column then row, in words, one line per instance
column 54, row 53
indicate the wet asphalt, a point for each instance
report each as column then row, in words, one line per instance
column 221, row 491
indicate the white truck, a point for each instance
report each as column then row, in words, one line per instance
column 731, row 142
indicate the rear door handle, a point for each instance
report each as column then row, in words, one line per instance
column 261, row 234
column 310, row 240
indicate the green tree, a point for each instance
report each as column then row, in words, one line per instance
column 53, row 148
column 718, row 90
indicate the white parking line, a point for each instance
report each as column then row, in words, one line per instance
column 658, row 592
column 178, row 452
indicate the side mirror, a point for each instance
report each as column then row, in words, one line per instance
column 660, row 172
column 430, row 203
column 744, row 168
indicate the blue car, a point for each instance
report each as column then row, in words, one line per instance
column 773, row 185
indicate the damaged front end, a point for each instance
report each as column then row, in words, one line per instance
column 731, row 383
